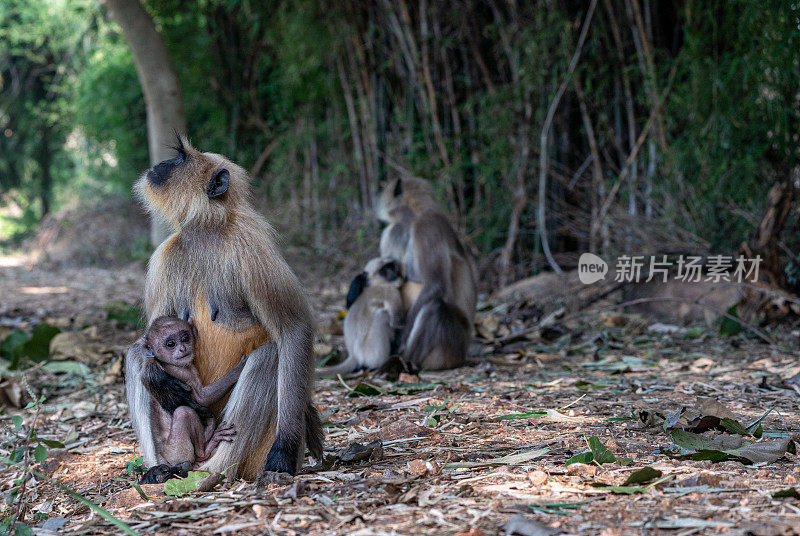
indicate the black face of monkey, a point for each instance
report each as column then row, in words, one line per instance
column 160, row 172
column 390, row 271
column 193, row 187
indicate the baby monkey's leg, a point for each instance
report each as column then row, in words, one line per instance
column 187, row 437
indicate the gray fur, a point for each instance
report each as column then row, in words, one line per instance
column 438, row 324
column 139, row 402
column 371, row 322
column 250, row 415
column 226, row 253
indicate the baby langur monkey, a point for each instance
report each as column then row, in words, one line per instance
column 184, row 429
column 373, row 319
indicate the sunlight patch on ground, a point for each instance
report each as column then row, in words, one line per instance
column 11, row 261
column 43, row 290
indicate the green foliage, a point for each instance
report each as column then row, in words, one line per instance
column 126, row 315
column 597, row 454
column 728, row 326
column 735, row 110
column 135, row 466
column 433, row 97
column 182, row 486
column 19, row 348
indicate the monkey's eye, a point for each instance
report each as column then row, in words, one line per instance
column 185, row 338
column 170, row 344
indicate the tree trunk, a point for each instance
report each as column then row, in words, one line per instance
column 765, row 244
column 160, row 85
column 765, row 239
column 45, row 179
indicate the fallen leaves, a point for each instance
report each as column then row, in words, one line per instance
column 724, row 447
column 182, row 486
column 423, row 467
column 85, row 346
column 598, row 454
column 511, row 459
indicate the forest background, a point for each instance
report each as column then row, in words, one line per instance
column 618, row 126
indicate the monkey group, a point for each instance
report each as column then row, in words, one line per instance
column 418, row 299
column 222, row 380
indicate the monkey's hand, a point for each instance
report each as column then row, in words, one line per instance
column 223, row 432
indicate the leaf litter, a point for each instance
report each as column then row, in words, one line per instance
column 505, row 430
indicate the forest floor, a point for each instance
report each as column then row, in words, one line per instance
column 481, row 450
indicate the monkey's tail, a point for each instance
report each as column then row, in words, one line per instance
column 439, row 338
column 313, row 431
column 348, row 365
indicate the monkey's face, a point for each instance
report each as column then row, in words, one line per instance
column 193, row 187
column 175, row 348
column 384, row 271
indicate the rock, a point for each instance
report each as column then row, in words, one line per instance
column 526, row 526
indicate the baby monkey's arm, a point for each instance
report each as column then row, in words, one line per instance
column 207, row 395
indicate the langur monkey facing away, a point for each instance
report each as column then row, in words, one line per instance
column 184, row 429
column 223, row 269
column 375, row 312
column 440, row 292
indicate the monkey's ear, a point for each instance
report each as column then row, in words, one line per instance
column 147, row 351
column 218, row 184
column 398, row 188
column 356, row 288
column 194, row 327
column 390, row 271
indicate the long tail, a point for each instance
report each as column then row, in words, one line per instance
column 439, row 336
column 348, row 365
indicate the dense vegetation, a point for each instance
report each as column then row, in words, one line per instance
column 675, row 121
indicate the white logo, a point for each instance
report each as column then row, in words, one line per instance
column 591, row 268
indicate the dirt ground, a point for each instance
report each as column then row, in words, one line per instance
column 477, row 450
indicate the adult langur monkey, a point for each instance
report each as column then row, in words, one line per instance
column 374, row 314
column 440, row 293
column 223, row 269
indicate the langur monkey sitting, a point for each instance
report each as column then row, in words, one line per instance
column 440, row 294
column 222, row 267
column 184, row 428
column 375, row 311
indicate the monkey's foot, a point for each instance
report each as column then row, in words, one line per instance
column 266, row 478
column 158, row 474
